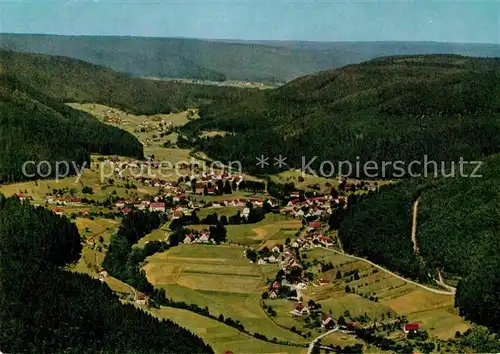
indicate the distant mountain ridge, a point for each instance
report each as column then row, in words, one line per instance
column 265, row 61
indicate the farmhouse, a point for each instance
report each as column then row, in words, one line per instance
column 272, row 259
column 245, row 213
column 314, row 225
column 189, row 238
column 273, row 294
column 141, row 299
column 58, row 211
column 324, row 282
column 300, row 310
column 411, row 327
column 326, row 321
column 157, row 207
column 103, row 275
column 204, row 236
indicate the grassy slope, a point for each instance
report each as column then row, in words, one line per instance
column 457, row 231
column 221, row 278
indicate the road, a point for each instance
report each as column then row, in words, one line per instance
column 436, row 291
column 311, row 346
column 414, row 227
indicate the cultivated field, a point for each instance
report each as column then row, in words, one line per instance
column 274, row 229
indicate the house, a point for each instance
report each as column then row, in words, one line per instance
column 351, row 325
column 299, row 213
column 74, row 201
column 261, row 261
column 120, row 204
column 103, row 275
column 300, row 310
column 141, row 299
column 326, row 321
column 314, row 225
column 295, row 194
column 204, row 238
column 189, row 238
column 324, row 282
column 276, row 285
column 157, row 207
column 273, row 294
column 58, row 211
column 276, row 249
column 245, row 213
column 272, row 259
column 177, row 214
column 125, row 211
column 415, row 327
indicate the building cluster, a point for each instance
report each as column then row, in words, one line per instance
column 313, row 238
column 66, row 201
column 198, row 237
column 313, row 207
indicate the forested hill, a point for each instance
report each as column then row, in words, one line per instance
column 387, row 109
column 46, row 309
column 457, row 232
column 70, row 80
column 37, row 125
column 267, row 61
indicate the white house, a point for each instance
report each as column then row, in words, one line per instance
column 273, row 294
column 245, row 213
column 157, row 207
column 300, row 310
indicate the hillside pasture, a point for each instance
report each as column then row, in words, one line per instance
column 221, row 337
column 274, row 229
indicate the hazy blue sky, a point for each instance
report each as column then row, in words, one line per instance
column 453, row 21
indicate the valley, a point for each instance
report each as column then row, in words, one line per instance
column 187, row 222
column 220, row 278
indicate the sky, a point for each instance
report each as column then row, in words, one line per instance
column 474, row 21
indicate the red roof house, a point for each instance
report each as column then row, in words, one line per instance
column 300, row 310
column 326, row 320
